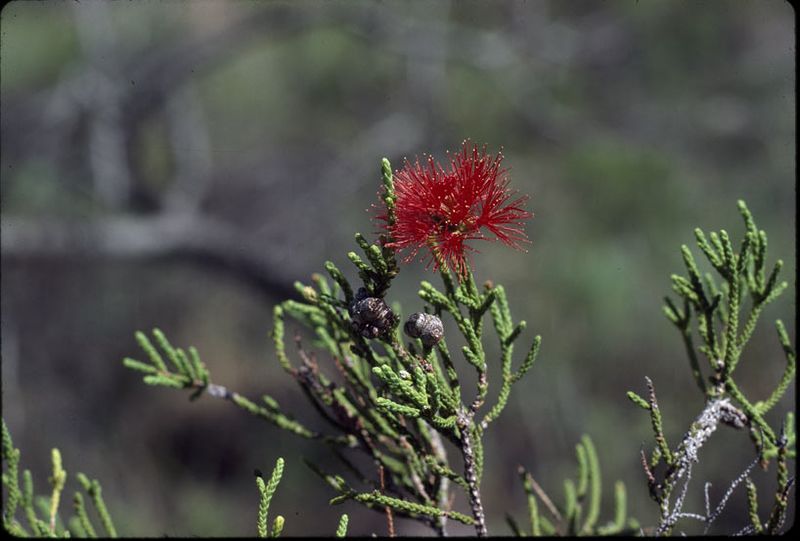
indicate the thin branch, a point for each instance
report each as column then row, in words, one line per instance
column 545, row 499
column 389, row 517
column 471, row 476
column 721, row 506
column 437, row 446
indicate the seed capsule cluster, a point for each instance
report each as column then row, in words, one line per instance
column 426, row 327
column 371, row 317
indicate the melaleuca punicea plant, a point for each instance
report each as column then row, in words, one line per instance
column 398, row 402
column 390, row 388
column 42, row 513
column 723, row 318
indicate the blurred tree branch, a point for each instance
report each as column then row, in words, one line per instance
column 112, row 95
column 183, row 236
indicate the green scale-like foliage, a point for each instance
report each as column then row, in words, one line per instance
column 580, row 513
column 266, row 490
column 189, row 372
column 46, row 521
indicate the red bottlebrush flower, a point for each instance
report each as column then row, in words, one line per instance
column 443, row 209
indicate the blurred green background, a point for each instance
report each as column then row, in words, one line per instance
column 180, row 164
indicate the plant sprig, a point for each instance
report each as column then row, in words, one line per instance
column 189, row 372
column 46, row 521
column 580, row 512
column 717, row 312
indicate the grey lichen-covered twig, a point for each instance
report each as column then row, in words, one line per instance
column 717, row 411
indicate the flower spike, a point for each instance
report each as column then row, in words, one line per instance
column 443, row 209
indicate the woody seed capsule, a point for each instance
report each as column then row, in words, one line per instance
column 371, row 317
column 426, row 327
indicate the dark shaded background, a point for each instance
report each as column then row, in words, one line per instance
column 180, row 164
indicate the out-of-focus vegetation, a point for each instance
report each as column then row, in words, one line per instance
column 180, row 164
